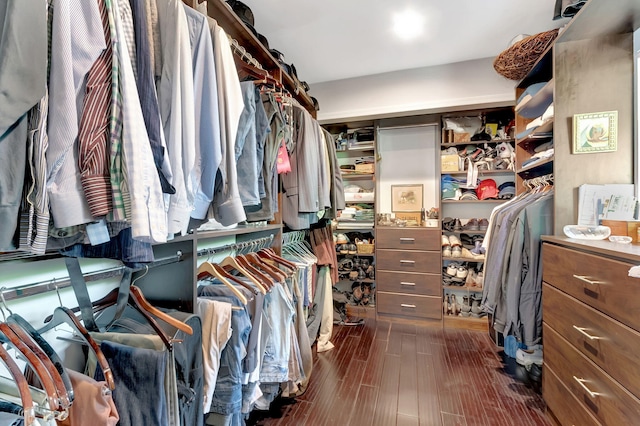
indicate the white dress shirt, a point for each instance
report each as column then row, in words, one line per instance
column 177, row 110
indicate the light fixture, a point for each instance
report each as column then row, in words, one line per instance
column 408, row 24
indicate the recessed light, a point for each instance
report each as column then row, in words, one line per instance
column 408, row 24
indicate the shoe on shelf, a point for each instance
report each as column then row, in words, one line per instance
column 478, row 249
column 480, row 280
column 341, row 239
column 457, row 225
column 452, row 269
column 352, row 249
column 453, row 303
column 462, row 272
column 446, row 246
column 447, row 224
column 454, row 241
column 471, row 225
column 467, row 254
column 475, row 305
column 456, row 251
column 483, row 224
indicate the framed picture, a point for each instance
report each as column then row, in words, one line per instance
column 406, row 198
column 595, row 132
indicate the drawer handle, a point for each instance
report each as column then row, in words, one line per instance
column 407, row 239
column 407, row 283
column 587, row 280
column 404, row 305
column 582, row 330
column 408, row 261
column 591, row 393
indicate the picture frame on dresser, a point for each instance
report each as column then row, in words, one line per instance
column 407, row 198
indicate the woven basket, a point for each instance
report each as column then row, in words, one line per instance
column 515, row 62
column 365, row 248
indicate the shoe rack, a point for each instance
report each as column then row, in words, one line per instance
column 464, row 218
column 355, row 233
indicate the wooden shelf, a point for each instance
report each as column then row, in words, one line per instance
column 463, row 259
column 357, row 254
column 543, row 166
column 463, row 287
column 496, row 141
column 233, row 231
column 356, row 176
column 358, row 150
column 481, row 172
column 471, row 323
column 466, row 231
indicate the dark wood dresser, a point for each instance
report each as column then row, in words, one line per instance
column 408, row 273
column 591, row 332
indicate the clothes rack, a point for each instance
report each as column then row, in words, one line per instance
column 32, row 289
column 253, row 244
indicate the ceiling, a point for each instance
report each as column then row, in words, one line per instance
column 335, row 39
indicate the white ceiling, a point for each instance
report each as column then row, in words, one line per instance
column 335, row 39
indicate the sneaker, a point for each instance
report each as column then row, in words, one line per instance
column 352, row 249
column 471, row 225
column 341, row 239
column 531, row 355
column 462, row 272
column 457, row 226
column 483, row 224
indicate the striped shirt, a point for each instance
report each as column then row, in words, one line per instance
column 93, row 136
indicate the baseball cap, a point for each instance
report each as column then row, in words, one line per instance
column 469, row 194
column 506, row 190
column 487, row 189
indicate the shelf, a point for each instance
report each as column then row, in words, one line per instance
column 466, row 231
column 356, row 254
column 464, row 259
column 472, row 201
column 544, row 131
column 358, row 150
column 466, row 322
column 364, row 228
column 601, row 18
column 536, row 105
column 358, row 176
column 233, row 231
column 462, row 287
column 544, row 167
column 481, row 172
column 496, row 141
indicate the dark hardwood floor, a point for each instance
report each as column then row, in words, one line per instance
column 386, row 374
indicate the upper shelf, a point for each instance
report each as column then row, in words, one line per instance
column 475, row 142
column 599, row 18
column 233, row 26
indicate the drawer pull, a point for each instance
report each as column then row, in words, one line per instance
column 587, row 280
column 404, row 305
column 582, row 330
column 591, row 393
column 404, row 239
column 407, row 283
column 408, row 261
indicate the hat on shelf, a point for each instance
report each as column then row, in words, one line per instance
column 487, row 189
column 507, row 190
column 469, row 194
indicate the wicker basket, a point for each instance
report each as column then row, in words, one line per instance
column 365, row 248
column 515, row 62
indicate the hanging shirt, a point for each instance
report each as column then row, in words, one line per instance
column 148, row 218
column 176, row 100
column 77, row 39
column 227, row 206
column 207, row 119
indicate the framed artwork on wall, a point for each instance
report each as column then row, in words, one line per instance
column 595, row 132
column 406, row 198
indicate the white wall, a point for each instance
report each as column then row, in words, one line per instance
column 415, row 91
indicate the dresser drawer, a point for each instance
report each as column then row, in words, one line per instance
column 609, row 402
column 409, row 283
column 613, row 346
column 564, row 405
column 408, row 261
column 425, row 307
column 408, row 238
column 597, row 281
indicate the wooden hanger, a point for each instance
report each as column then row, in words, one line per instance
column 266, row 280
column 23, row 387
column 63, row 388
column 207, row 269
column 142, row 302
column 62, row 315
column 269, row 254
column 8, row 336
column 275, row 273
column 230, row 262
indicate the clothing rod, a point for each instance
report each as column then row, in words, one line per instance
column 257, row 242
column 40, row 287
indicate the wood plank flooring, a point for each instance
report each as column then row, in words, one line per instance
column 387, row 373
